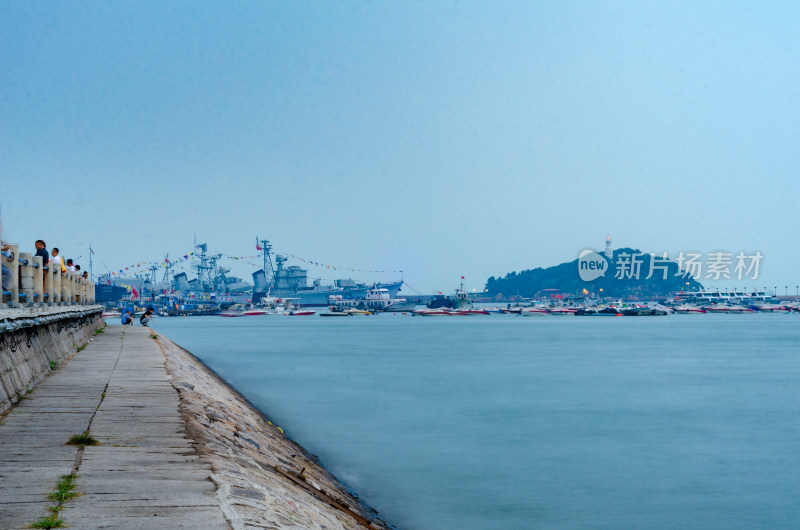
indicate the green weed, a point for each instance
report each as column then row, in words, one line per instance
column 83, row 439
column 51, row 521
column 65, row 489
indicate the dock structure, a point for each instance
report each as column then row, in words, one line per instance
column 144, row 473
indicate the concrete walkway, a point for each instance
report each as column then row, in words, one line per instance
column 144, row 475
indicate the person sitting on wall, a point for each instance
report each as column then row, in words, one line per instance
column 146, row 317
column 70, row 265
column 127, row 318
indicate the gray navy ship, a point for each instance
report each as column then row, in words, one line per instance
column 280, row 281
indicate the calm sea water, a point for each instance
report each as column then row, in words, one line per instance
column 689, row 421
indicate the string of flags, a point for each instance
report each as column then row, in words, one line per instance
column 334, row 267
column 144, row 265
column 139, row 265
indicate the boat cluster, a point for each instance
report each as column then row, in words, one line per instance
column 617, row 309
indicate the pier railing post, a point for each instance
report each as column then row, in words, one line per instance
column 72, row 288
column 48, row 284
column 84, row 291
column 26, row 277
column 13, row 282
column 56, row 294
column 38, row 280
column 65, row 294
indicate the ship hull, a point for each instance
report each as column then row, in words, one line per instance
column 319, row 297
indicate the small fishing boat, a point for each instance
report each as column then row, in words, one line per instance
column 605, row 312
column 562, row 311
column 254, row 312
column 355, row 311
column 730, row 309
column 431, row 313
column 771, row 308
column 301, row 312
column 336, row 314
column 533, row 312
column 685, row 309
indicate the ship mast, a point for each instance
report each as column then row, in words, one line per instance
column 269, row 270
column 167, row 270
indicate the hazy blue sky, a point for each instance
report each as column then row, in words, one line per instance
column 441, row 138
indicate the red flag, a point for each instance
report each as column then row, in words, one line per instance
column 135, row 294
column 258, row 247
column 462, row 277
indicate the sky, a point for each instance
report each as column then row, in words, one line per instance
column 443, row 139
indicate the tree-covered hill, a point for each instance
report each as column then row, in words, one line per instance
column 619, row 280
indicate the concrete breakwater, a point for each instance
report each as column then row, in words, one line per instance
column 173, row 440
column 34, row 341
column 264, row 479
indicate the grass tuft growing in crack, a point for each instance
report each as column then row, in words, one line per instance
column 154, row 336
column 53, row 365
column 83, row 439
column 65, row 490
column 51, row 521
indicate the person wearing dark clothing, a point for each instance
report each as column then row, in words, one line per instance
column 146, row 317
column 6, row 270
column 41, row 250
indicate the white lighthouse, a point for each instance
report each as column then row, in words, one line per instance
column 609, row 253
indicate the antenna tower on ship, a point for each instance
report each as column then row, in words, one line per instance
column 269, row 270
column 204, row 276
column 609, row 253
column 168, row 265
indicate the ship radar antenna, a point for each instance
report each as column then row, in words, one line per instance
column 168, row 265
column 266, row 248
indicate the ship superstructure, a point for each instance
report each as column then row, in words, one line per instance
column 291, row 281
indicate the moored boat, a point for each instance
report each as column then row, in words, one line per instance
column 254, row 312
column 561, row 311
column 730, row 309
column 431, row 313
column 685, row 309
column 533, row 311
column 301, row 312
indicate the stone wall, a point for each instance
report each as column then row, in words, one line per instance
column 30, row 339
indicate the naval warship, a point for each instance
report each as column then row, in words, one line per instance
column 281, row 281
